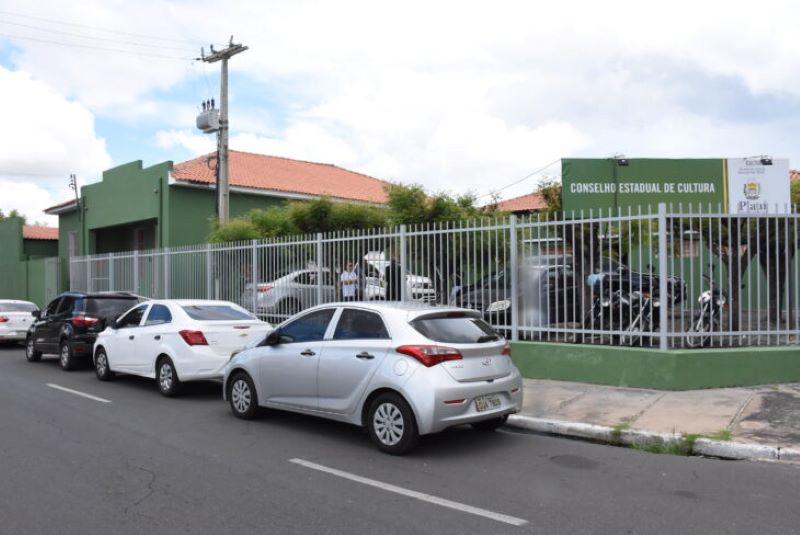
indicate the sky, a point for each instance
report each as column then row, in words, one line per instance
column 463, row 97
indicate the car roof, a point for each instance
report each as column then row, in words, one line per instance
column 121, row 295
column 17, row 301
column 190, row 302
column 407, row 309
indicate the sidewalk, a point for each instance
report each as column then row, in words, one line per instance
column 760, row 422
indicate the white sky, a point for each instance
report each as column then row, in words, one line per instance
column 456, row 96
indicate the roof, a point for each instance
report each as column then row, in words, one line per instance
column 65, row 206
column 525, row 203
column 272, row 173
column 30, row 232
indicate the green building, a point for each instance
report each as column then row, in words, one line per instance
column 28, row 269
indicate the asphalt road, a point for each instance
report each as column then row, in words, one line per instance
column 141, row 463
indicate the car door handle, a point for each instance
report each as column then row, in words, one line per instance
column 308, row 353
column 157, row 337
column 364, row 355
column 130, row 337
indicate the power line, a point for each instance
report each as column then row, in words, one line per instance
column 523, row 179
column 76, row 45
column 84, row 36
column 116, row 32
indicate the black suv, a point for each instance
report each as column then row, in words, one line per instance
column 69, row 324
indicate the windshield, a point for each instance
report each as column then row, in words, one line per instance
column 455, row 330
column 108, row 307
column 18, row 307
column 216, row 313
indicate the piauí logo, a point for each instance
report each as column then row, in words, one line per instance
column 752, row 190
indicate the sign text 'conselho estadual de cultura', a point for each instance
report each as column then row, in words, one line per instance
column 643, row 187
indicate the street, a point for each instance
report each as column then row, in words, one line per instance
column 127, row 460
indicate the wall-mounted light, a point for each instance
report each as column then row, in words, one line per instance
column 766, row 160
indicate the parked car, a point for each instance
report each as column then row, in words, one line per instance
column 15, row 319
column 69, row 324
column 291, row 293
column 418, row 287
column 175, row 341
column 399, row 369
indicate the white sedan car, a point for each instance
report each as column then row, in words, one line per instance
column 400, row 369
column 175, row 341
column 15, row 319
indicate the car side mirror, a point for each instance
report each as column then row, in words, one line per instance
column 272, row 339
column 36, row 314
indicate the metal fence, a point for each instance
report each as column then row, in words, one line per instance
column 674, row 278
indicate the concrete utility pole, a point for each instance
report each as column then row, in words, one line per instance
column 223, row 185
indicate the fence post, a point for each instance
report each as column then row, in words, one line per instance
column 403, row 260
column 111, row 287
column 167, row 273
column 209, row 274
column 663, row 295
column 254, row 277
column 136, row 272
column 514, row 279
column 319, row 268
column 88, row 274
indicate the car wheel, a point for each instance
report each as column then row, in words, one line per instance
column 392, row 425
column 101, row 366
column 242, row 396
column 167, row 378
column 30, row 351
column 65, row 357
column 490, row 425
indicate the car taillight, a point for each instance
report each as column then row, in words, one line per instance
column 506, row 350
column 3, row 319
column 263, row 288
column 193, row 338
column 430, row 355
column 83, row 321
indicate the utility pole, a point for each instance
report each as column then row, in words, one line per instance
column 223, row 184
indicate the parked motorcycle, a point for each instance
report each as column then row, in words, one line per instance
column 708, row 317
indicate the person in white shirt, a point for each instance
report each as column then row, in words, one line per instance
column 349, row 283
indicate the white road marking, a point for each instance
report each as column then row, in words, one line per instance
column 82, row 394
column 499, row 517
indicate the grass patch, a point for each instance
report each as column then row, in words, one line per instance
column 681, row 447
column 616, row 432
column 722, row 436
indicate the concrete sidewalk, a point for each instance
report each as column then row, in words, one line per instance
column 748, row 422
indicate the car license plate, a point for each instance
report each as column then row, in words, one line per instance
column 485, row 403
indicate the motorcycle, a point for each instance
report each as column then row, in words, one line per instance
column 708, row 317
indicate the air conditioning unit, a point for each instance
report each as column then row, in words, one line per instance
column 208, row 121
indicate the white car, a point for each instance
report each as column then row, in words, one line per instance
column 399, row 369
column 15, row 319
column 174, row 341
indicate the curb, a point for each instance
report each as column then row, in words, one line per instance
column 631, row 437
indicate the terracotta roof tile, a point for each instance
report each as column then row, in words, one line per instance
column 529, row 202
column 258, row 171
column 30, row 232
column 64, row 204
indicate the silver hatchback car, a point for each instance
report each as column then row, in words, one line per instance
column 400, row 369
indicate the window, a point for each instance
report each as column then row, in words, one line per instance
column 66, row 305
column 108, row 307
column 18, row 307
column 357, row 324
column 217, row 313
column 132, row 318
column 309, row 328
column 51, row 308
column 158, row 314
column 453, row 329
column 72, row 244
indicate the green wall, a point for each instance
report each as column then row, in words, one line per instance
column 11, row 239
column 649, row 368
column 22, row 264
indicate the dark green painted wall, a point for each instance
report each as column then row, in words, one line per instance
column 22, row 264
column 648, row 368
column 39, row 248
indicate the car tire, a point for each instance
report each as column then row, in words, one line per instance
column 488, row 426
column 242, row 396
column 391, row 424
column 101, row 367
column 31, row 355
column 65, row 357
column 167, row 378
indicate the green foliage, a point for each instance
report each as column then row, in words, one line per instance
column 238, row 229
column 410, row 205
column 550, row 189
column 273, row 222
column 795, row 192
column 13, row 213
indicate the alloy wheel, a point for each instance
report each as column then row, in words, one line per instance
column 64, row 356
column 101, row 364
column 388, row 424
column 165, row 377
column 240, row 395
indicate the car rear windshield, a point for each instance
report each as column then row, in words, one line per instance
column 216, row 313
column 18, row 307
column 108, row 307
column 455, row 329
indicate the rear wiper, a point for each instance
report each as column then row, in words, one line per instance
column 488, row 338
